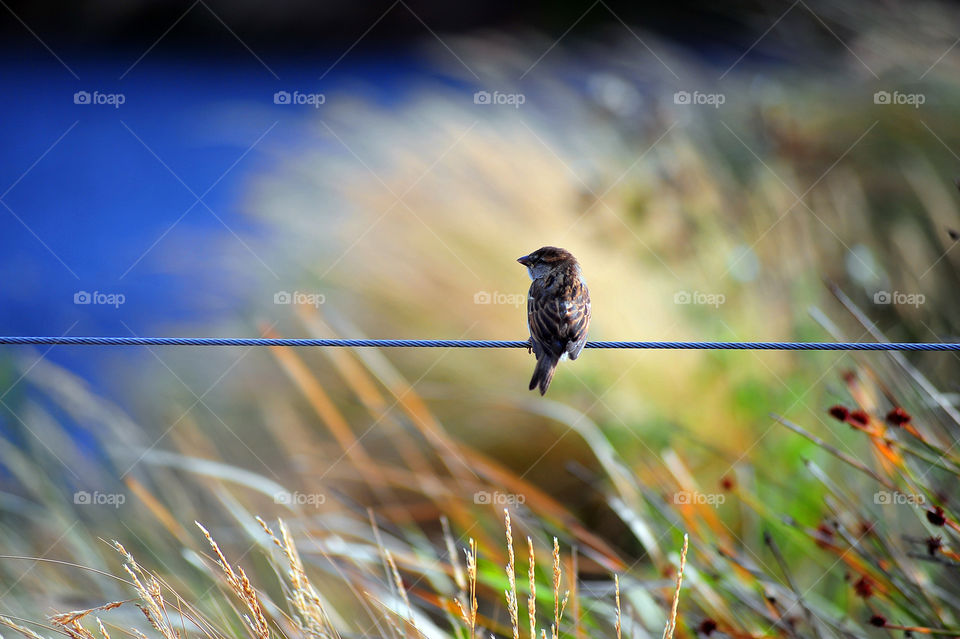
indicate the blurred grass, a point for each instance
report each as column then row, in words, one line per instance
column 655, row 199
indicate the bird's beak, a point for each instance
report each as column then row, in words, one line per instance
column 525, row 260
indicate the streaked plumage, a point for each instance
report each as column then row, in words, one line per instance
column 558, row 310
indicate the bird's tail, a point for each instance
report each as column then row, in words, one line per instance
column 543, row 373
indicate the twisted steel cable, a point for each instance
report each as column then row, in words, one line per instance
column 472, row 343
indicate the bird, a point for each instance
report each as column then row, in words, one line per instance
column 558, row 310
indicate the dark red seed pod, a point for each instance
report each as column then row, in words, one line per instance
column 934, row 544
column 838, row 412
column 859, row 417
column 824, row 535
column 863, row 587
column 936, row 517
column 878, row 620
column 707, row 626
column 898, row 417
column 727, row 483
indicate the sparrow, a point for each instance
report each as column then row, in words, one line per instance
column 558, row 310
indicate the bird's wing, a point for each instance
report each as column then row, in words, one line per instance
column 558, row 322
column 531, row 314
column 545, row 320
column 577, row 318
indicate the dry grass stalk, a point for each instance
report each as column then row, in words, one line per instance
column 237, row 580
column 616, row 590
column 10, row 623
column 69, row 622
column 65, row 618
column 311, row 616
column 672, row 621
column 470, row 619
column 558, row 605
column 532, row 599
column 151, row 594
column 399, row 583
column 511, row 592
column 391, row 575
column 75, row 630
column 557, row 574
column 103, row 631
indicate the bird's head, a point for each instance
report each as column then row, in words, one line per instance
column 545, row 259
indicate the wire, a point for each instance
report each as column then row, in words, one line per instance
column 473, row 343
